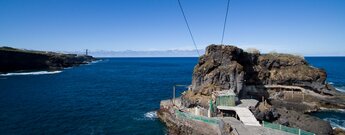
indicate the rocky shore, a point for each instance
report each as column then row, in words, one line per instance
column 287, row 87
column 18, row 60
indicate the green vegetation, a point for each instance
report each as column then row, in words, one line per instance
column 252, row 51
column 284, row 55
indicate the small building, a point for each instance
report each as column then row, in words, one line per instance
column 225, row 98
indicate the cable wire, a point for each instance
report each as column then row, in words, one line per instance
column 226, row 16
column 190, row 32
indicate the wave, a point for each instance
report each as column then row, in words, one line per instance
column 335, row 117
column 338, row 87
column 31, row 73
column 341, row 89
column 152, row 115
column 331, row 110
column 93, row 62
column 336, row 123
column 96, row 61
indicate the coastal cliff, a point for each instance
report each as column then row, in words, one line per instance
column 18, row 60
column 287, row 87
column 229, row 67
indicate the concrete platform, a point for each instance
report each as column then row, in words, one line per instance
column 240, row 129
column 245, row 115
column 248, row 102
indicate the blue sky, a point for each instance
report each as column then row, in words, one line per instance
column 308, row 27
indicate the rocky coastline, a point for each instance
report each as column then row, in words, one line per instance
column 19, row 60
column 286, row 87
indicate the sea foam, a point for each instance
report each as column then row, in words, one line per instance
column 342, row 89
column 96, row 61
column 31, row 73
column 336, row 123
column 151, row 115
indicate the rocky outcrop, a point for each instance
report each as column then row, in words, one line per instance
column 249, row 74
column 228, row 67
column 338, row 131
column 292, row 115
column 16, row 60
column 306, row 122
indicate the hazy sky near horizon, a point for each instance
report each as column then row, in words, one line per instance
column 308, row 27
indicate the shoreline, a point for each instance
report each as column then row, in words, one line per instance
column 331, row 109
column 333, row 116
column 13, row 60
column 43, row 72
column 30, row 73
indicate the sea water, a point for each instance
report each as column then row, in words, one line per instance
column 335, row 68
column 112, row 96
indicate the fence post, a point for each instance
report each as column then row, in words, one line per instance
column 173, row 101
column 299, row 131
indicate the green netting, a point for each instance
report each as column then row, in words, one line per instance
column 195, row 117
column 306, row 133
column 290, row 130
column 271, row 125
column 286, row 129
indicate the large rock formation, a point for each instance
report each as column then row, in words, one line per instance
column 249, row 74
column 229, row 67
column 14, row 60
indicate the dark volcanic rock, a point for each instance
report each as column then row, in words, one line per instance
column 229, row 67
column 338, row 131
column 269, row 115
column 14, row 60
column 304, row 121
column 271, row 78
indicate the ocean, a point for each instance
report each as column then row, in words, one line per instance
column 111, row 96
column 335, row 68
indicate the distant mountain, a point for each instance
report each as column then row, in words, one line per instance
column 155, row 53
